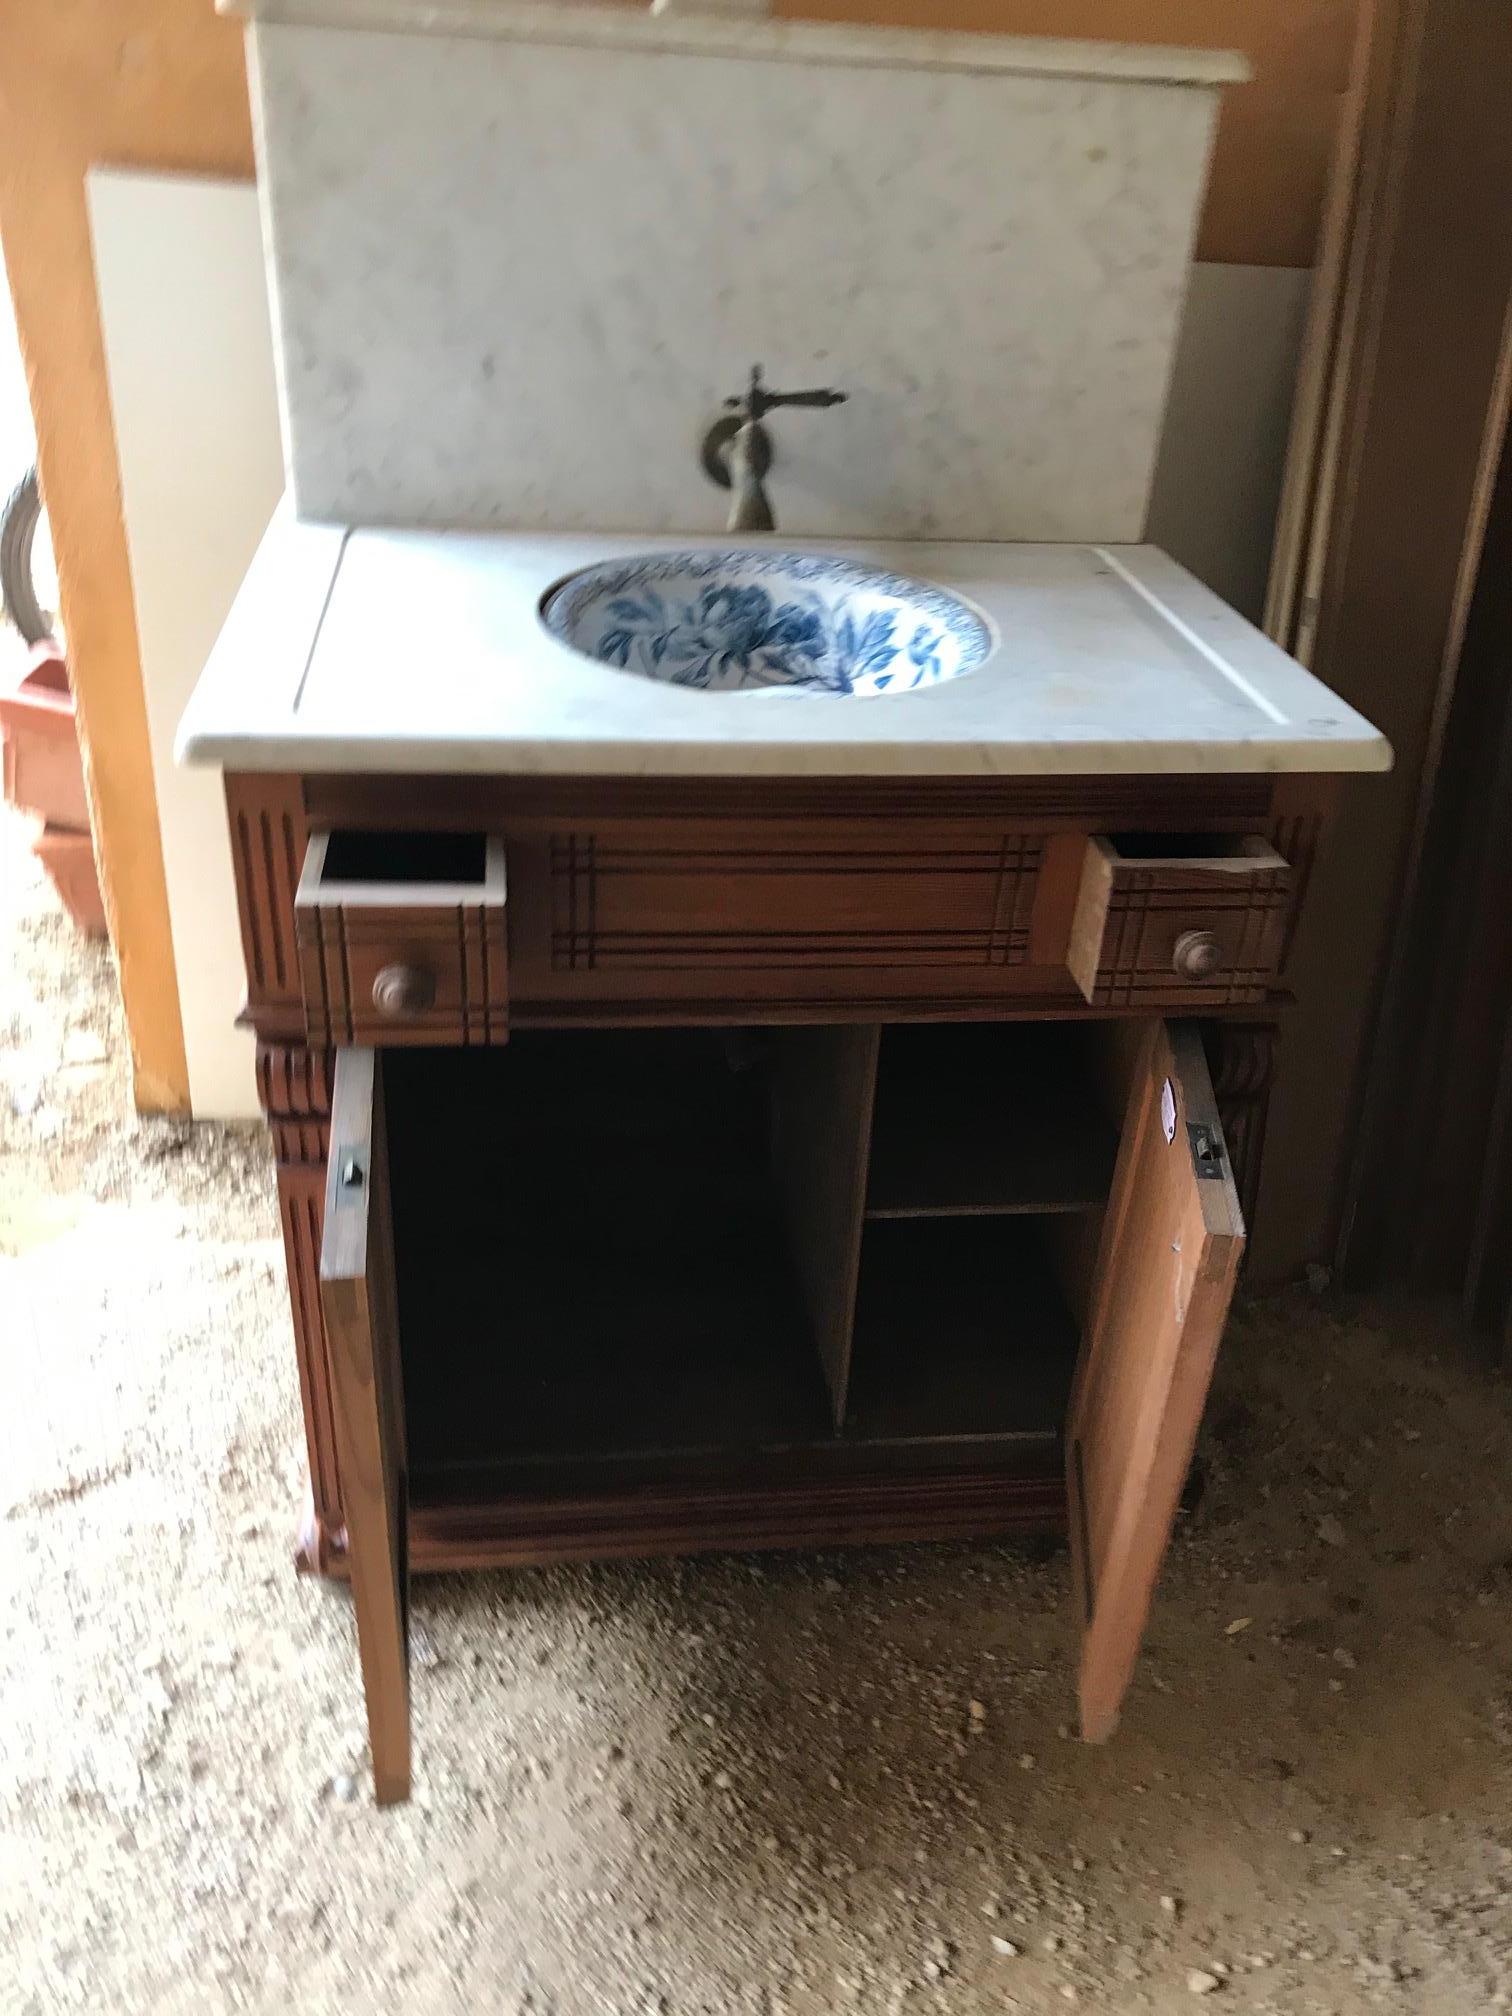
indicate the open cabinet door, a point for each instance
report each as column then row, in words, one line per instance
column 358, row 1301
column 1171, row 1244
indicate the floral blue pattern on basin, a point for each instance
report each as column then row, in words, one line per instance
column 746, row 622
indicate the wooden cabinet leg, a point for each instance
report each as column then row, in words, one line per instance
column 294, row 1087
column 319, row 1548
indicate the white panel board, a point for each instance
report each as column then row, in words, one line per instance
column 183, row 303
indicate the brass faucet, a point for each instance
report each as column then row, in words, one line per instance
column 737, row 451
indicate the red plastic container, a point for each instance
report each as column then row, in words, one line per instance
column 44, row 772
column 68, row 857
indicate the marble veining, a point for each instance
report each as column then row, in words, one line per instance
column 515, row 279
column 424, row 651
column 763, row 622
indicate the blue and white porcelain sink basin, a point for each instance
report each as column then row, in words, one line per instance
column 757, row 622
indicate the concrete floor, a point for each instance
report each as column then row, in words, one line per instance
column 743, row 1785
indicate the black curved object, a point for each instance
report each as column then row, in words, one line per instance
column 18, row 533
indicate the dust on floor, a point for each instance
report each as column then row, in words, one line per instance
column 804, row 1784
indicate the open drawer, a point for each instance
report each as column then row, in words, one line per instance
column 1173, row 920
column 402, row 938
column 594, row 1294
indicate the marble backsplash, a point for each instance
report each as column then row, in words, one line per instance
column 514, row 280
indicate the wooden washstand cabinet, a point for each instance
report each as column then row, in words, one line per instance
column 685, row 1165
column 677, row 1152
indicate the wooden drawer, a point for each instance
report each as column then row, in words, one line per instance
column 401, row 938
column 1167, row 920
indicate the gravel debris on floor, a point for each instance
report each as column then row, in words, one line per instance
column 778, row 1786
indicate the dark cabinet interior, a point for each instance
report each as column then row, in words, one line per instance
column 611, row 1264
column 592, row 1266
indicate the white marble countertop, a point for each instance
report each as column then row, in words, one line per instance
column 585, row 26
column 381, row 650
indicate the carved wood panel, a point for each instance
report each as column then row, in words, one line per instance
column 617, row 913
column 678, row 901
column 294, row 1088
column 268, row 834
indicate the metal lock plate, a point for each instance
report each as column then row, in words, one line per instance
column 1207, row 1151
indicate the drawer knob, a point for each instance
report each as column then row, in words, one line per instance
column 404, row 990
column 1197, row 956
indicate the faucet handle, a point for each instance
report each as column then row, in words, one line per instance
column 737, row 451
column 756, row 400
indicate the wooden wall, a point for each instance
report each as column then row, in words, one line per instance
column 1376, row 578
